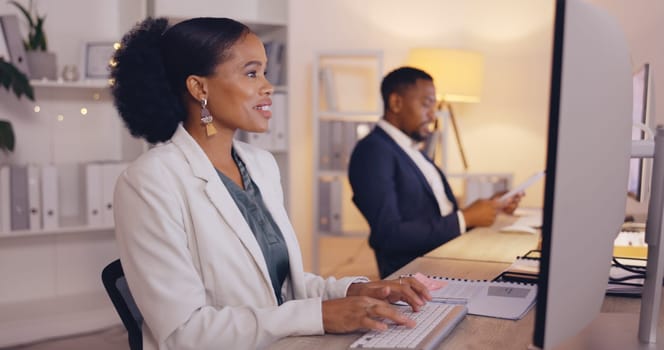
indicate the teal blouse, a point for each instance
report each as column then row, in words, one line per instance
column 267, row 233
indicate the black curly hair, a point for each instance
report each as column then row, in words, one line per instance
column 153, row 63
column 398, row 79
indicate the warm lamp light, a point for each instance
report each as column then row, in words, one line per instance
column 457, row 75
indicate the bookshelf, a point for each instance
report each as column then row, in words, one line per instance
column 346, row 105
column 52, row 277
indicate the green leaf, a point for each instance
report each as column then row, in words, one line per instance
column 36, row 40
column 7, row 139
column 14, row 80
column 26, row 13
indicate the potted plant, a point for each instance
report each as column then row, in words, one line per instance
column 42, row 64
column 15, row 81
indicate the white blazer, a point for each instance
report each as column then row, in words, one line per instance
column 192, row 263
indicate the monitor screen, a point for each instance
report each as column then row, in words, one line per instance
column 588, row 151
column 637, row 184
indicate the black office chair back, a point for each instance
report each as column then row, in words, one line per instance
column 118, row 290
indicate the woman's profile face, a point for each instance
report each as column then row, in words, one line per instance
column 239, row 95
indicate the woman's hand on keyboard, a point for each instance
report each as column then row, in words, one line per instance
column 354, row 313
column 407, row 289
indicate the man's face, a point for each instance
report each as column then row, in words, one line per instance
column 416, row 109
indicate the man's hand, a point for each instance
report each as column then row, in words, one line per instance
column 482, row 212
column 509, row 205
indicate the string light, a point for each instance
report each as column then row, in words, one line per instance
column 84, row 111
column 37, row 109
column 61, row 117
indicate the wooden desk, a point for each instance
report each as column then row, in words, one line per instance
column 474, row 332
column 483, row 254
column 488, row 244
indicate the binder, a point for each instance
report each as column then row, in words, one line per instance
column 34, row 198
column 324, row 145
column 324, row 205
column 93, row 195
column 278, row 124
column 473, row 190
column 274, row 50
column 486, row 187
column 337, row 145
column 110, row 174
column 71, row 194
column 18, row 179
column 12, row 38
column 274, row 138
column 49, row 197
column 335, row 206
column 261, row 139
column 5, row 200
column 350, row 139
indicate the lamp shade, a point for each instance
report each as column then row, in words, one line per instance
column 457, row 74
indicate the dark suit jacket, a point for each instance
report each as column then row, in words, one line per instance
column 395, row 198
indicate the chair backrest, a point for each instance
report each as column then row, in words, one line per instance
column 116, row 286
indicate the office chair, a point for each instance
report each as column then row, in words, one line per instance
column 116, row 286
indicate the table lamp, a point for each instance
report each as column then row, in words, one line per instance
column 457, row 75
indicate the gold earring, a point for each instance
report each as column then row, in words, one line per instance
column 206, row 119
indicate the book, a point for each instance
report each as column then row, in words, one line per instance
column 506, row 300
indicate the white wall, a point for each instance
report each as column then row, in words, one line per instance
column 506, row 131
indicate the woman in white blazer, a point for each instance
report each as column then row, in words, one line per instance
column 207, row 247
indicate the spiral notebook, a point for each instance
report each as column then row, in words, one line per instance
column 507, row 300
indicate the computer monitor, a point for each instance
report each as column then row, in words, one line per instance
column 588, row 152
column 638, row 184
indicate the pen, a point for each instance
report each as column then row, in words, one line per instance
column 446, row 300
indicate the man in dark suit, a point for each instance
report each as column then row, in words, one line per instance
column 405, row 198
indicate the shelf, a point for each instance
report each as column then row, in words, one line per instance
column 57, row 231
column 332, row 173
column 81, row 84
column 33, row 320
column 354, row 234
column 283, row 89
column 344, row 91
column 366, row 117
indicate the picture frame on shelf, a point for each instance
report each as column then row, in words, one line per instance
column 97, row 56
